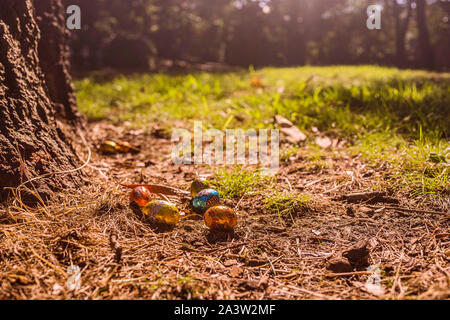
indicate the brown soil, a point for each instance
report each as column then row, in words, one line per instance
column 267, row 257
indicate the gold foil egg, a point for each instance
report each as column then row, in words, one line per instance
column 108, row 147
column 198, row 185
column 161, row 212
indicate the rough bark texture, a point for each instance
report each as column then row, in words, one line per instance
column 401, row 27
column 54, row 58
column 35, row 95
column 426, row 55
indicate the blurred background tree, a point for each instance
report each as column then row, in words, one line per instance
column 145, row 34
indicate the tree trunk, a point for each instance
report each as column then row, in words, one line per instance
column 296, row 43
column 401, row 26
column 54, row 58
column 37, row 101
column 426, row 55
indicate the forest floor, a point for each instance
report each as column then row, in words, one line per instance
column 299, row 234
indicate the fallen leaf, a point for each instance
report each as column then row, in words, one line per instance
column 256, row 82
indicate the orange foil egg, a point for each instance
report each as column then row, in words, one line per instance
column 140, row 195
column 220, row 218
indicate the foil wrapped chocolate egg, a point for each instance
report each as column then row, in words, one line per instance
column 140, row 195
column 108, row 147
column 205, row 199
column 198, row 185
column 126, row 147
column 161, row 212
column 220, row 218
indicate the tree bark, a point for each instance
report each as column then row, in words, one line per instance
column 54, row 59
column 426, row 55
column 401, row 26
column 37, row 101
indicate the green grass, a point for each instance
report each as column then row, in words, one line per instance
column 239, row 181
column 344, row 100
column 387, row 115
column 413, row 170
column 283, row 203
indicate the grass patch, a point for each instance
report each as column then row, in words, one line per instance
column 240, row 181
column 283, row 203
column 347, row 101
column 412, row 163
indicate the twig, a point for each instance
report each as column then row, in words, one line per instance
column 158, row 189
column 407, row 209
column 319, row 295
column 443, row 270
column 115, row 246
column 56, row 268
column 289, row 184
column 312, row 183
column 271, row 265
column 442, row 235
column 344, row 274
column 225, row 248
column 337, row 187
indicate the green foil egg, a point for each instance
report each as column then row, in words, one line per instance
column 205, row 199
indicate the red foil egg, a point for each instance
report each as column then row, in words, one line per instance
column 140, row 195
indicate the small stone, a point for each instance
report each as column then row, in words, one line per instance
column 339, row 265
column 57, row 289
column 293, row 134
column 323, row 142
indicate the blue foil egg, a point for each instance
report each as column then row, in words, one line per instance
column 205, row 199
